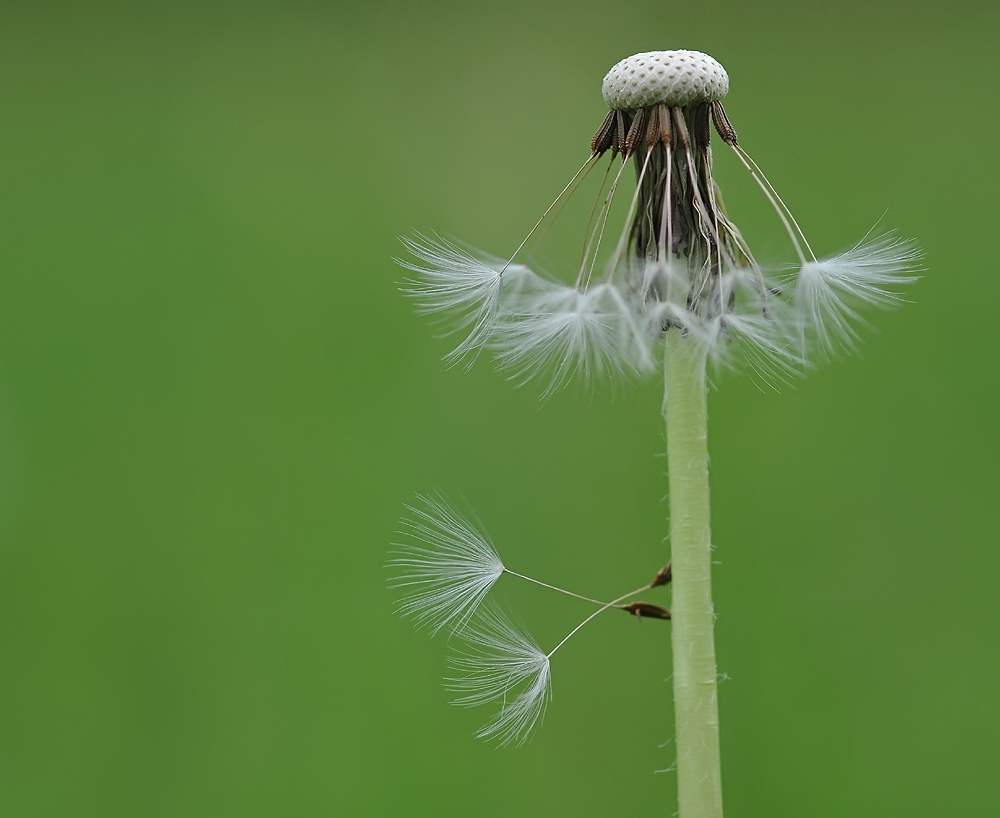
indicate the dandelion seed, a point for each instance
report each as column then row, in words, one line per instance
column 828, row 293
column 502, row 663
column 568, row 332
column 447, row 563
column 463, row 288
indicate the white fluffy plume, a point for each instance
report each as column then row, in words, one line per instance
column 502, row 663
column 445, row 563
column 828, row 293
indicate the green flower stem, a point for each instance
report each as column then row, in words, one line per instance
column 696, row 712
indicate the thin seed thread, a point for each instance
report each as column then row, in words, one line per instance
column 600, row 610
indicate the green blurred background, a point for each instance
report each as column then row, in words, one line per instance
column 214, row 404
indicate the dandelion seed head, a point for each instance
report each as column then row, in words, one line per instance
column 679, row 263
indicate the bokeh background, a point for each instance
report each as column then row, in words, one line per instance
column 214, row 404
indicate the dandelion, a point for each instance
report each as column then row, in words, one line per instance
column 679, row 277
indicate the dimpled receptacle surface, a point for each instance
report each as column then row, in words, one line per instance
column 668, row 77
